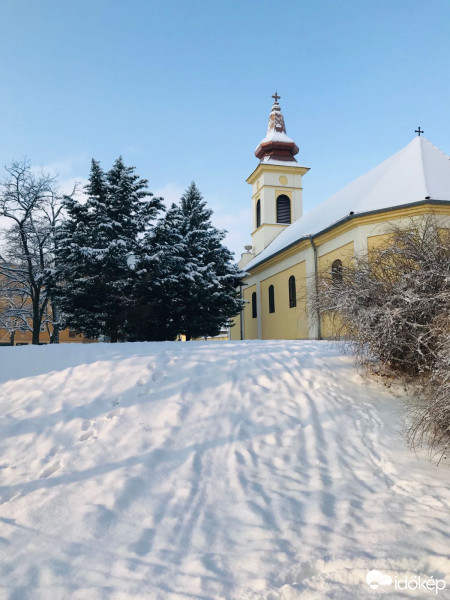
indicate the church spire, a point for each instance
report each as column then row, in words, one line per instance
column 277, row 145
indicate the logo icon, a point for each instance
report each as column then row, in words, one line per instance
column 376, row 578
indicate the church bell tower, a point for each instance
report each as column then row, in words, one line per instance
column 276, row 182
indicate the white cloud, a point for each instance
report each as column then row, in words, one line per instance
column 65, row 167
column 66, row 186
column 64, row 171
column 171, row 193
column 238, row 225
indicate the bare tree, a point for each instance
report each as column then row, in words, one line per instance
column 392, row 306
column 32, row 203
column 15, row 312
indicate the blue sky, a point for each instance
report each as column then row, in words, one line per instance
column 183, row 89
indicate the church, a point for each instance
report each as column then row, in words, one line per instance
column 289, row 248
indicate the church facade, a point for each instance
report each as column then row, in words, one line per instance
column 289, row 248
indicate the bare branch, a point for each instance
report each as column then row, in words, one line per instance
column 391, row 307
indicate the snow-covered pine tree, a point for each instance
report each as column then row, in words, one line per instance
column 157, row 269
column 190, row 276
column 95, row 245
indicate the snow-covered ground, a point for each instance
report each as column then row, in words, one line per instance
column 199, row 471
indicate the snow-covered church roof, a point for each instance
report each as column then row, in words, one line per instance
column 418, row 172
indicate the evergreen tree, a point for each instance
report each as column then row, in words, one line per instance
column 95, row 245
column 188, row 274
column 157, row 292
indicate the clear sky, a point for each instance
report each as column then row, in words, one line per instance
column 183, row 89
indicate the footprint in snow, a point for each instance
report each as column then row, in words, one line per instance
column 9, row 496
column 53, row 452
column 88, row 431
column 142, row 381
column 50, row 470
column 114, row 413
column 157, row 376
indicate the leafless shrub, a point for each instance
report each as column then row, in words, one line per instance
column 392, row 306
column 427, row 413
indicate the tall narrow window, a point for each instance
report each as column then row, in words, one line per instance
column 283, row 209
column 258, row 214
column 271, row 299
column 292, row 292
column 254, row 309
column 336, row 271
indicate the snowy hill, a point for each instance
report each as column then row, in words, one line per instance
column 254, row 470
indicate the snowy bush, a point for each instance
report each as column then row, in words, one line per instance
column 428, row 411
column 392, row 306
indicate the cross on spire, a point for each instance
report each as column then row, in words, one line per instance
column 418, row 131
column 276, row 97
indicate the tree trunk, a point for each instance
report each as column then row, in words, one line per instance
column 12, row 336
column 36, row 321
column 54, row 338
column 114, row 336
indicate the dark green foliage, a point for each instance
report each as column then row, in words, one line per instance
column 96, row 243
column 187, row 274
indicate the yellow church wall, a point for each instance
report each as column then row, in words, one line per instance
column 235, row 330
column 375, row 242
column 285, row 323
column 250, row 324
column 383, row 240
column 344, row 253
column 330, row 323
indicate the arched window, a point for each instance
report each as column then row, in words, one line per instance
column 292, row 292
column 258, row 214
column 254, row 309
column 283, row 209
column 336, row 271
column 271, row 299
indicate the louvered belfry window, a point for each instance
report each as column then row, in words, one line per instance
column 283, row 209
